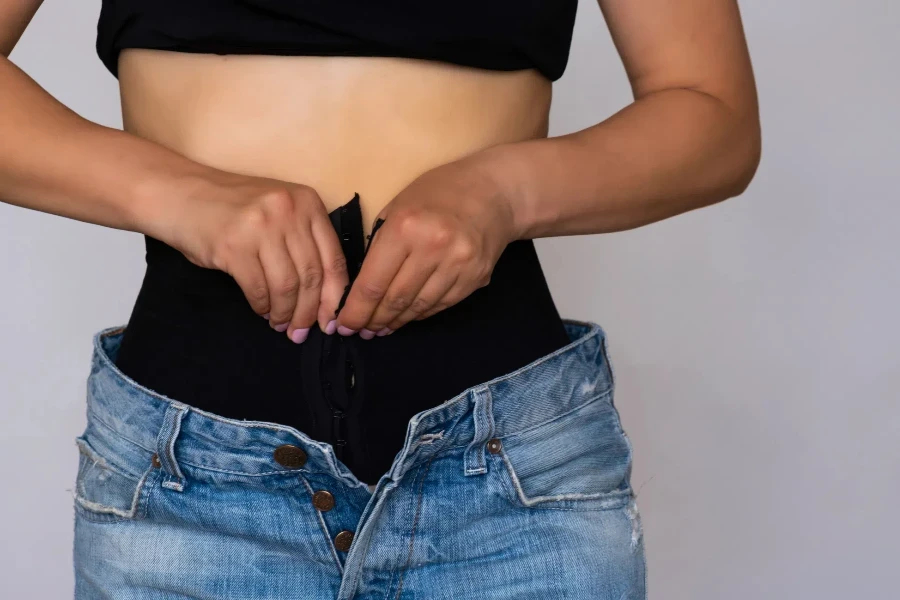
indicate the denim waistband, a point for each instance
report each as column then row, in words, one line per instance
column 192, row 443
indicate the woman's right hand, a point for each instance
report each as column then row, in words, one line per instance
column 274, row 238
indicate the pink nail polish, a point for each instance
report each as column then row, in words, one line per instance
column 366, row 334
column 330, row 328
column 298, row 336
column 345, row 330
column 266, row 316
column 282, row 327
column 383, row 332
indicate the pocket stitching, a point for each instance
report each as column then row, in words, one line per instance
column 577, row 502
column 608, row 500
column 101, row 513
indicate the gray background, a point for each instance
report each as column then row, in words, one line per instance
column 755, row 342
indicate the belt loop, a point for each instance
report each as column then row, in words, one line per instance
column 483, row 416
column 165, row 446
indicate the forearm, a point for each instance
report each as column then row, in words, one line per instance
column 667, row 153
column 54, row 161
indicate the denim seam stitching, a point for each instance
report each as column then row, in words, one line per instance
column 614, row 497
column 111, row 463
column 551, row 419
column 394, row 570
column 133, row 513
column 97, row 419
column 584, row 404
column 412, row 538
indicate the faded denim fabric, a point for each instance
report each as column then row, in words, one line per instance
column 516, row 489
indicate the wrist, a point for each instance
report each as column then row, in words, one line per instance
column 154, row 199
column 507, row 168
column 160, row 196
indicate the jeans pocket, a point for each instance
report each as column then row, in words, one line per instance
column 107, row 492
column 580, row 460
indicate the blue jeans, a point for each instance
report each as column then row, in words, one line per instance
column 517, row 488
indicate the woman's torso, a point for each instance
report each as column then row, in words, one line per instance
column 339, row 124
column 342, row 125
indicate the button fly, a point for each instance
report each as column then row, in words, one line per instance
column 323, row 500
column 290, row 456
column 343, row 540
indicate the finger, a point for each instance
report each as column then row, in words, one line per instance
column 432, row 294
column 379, row 268
column 334, row 271
column 282, row 280
column 247, row 271
column 307, row 264
column 403, row 293
column 456, row 294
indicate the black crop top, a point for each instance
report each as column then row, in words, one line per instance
column 504, row 35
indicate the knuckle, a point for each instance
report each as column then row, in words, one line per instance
column 464, row 251
column 257, row 293
column 371, row 291
column 338, row 265
column 420, row 305
column 278, row 202
column 438, row 308
column 310, row 277
column 254, row 218
column 288, row 286
column 279, row 317
column 396, row 302
column 408, row 223
column 306, row 193
column 440, row 237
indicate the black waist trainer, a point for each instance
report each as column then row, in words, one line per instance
column 193, row 337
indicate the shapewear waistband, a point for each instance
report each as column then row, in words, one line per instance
column 193, row 337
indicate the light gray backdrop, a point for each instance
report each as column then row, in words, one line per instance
column 755, row 342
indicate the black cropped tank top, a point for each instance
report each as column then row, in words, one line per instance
column 503, row 35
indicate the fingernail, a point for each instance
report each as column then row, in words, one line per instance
column 385, row 331
column 281, row 327
column 298, row 336
column 345, row 330
column 266, row 316
column 366, row 334
column 330, row 328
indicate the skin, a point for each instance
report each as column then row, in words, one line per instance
column 236, row 161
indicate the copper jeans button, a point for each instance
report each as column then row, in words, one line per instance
column 493, row 445
column 323, row 500
column 290, row 456
column 342, row 540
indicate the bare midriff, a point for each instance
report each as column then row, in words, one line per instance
column 341, row 125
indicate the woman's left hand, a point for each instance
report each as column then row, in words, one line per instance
column 439, row 242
